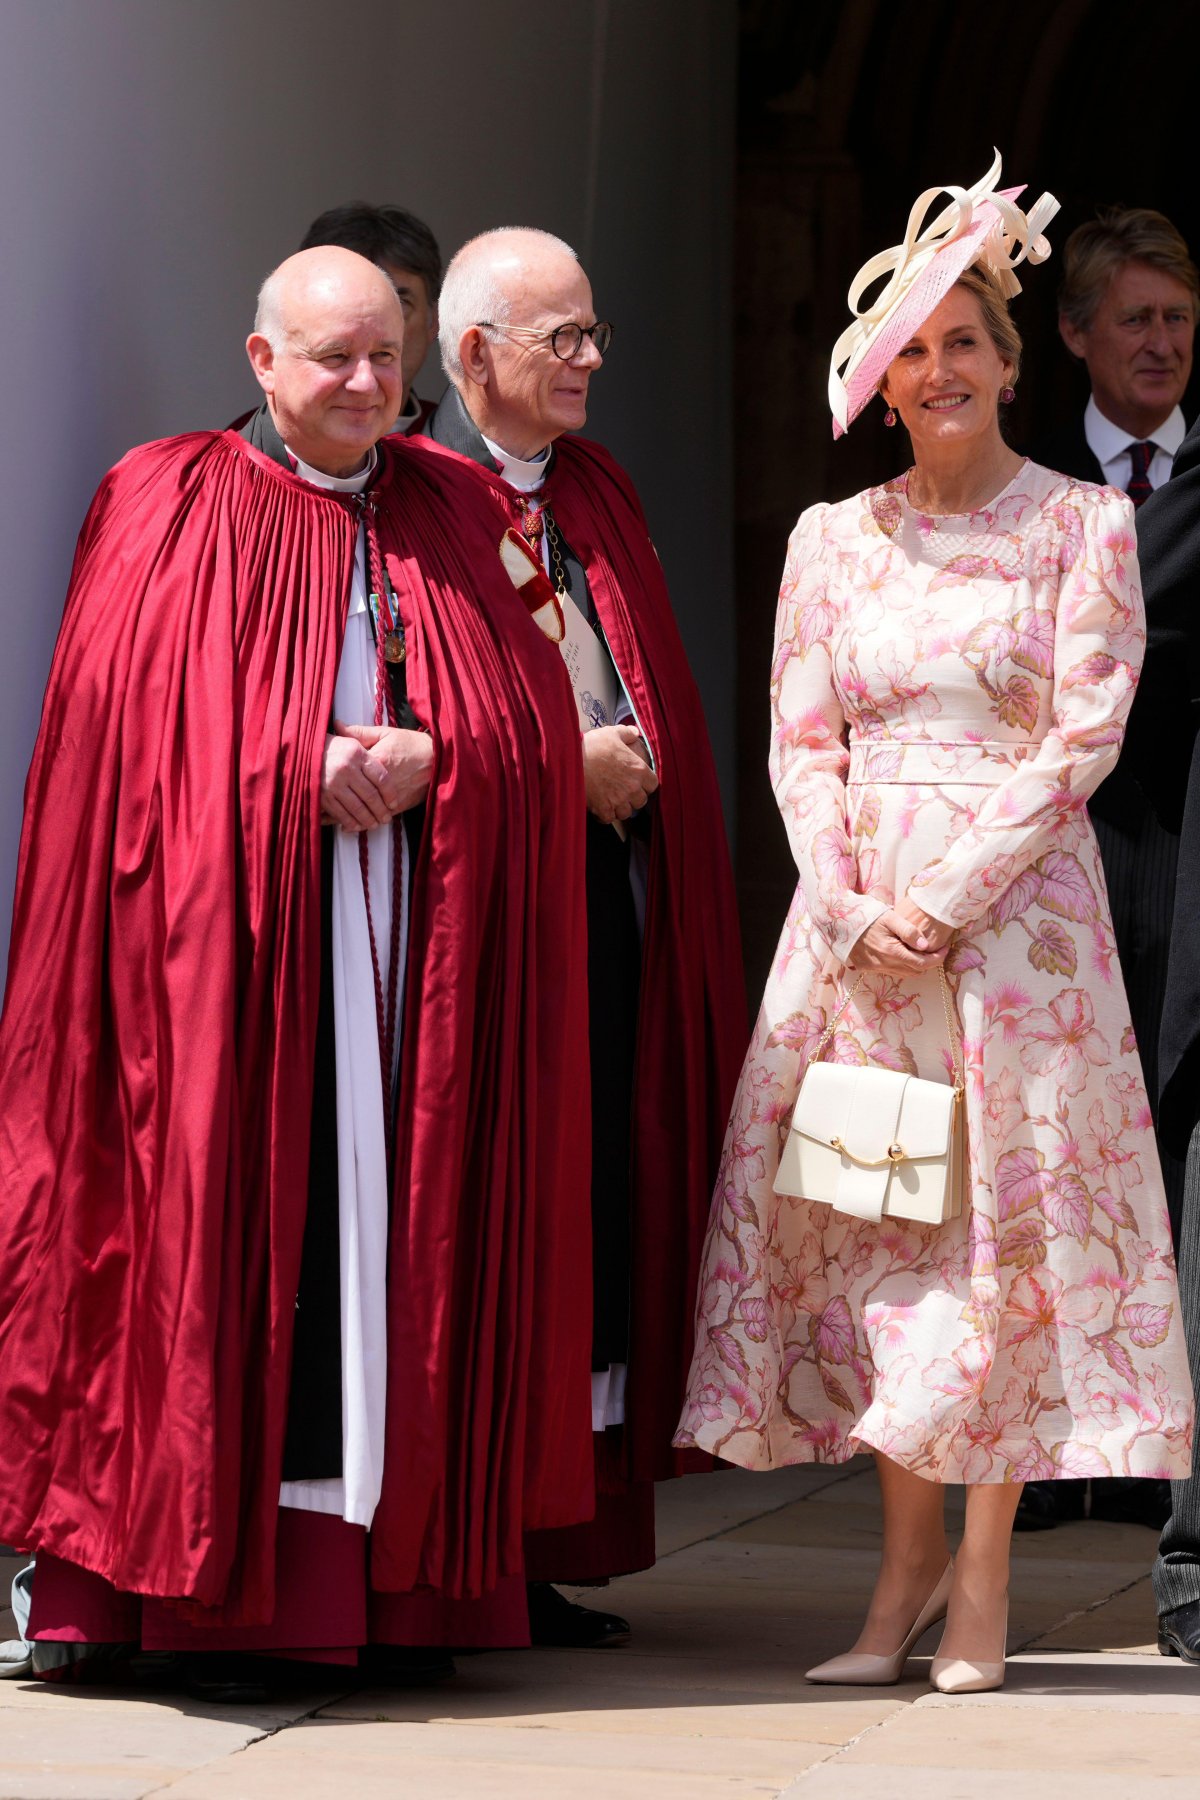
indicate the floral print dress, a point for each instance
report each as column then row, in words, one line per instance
column 946, row 692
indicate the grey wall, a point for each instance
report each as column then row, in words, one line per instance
column 158, row 156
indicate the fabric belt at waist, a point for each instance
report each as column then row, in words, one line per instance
column 920, row 760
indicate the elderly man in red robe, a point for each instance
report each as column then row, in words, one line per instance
column 294, row 1312
column 520, row 343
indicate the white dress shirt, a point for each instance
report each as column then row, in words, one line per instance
column 1110, row 446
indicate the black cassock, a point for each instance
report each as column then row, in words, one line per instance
column 614, row 975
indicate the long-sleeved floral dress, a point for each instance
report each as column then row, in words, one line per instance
column 946, row 692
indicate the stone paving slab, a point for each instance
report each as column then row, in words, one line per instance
column 117, row 1744
column 584, row 1704
column 1060, row 1741
column 106, row 1746
column 296, row 1762
column 706, row 1505
column 1127, row 1621
column 759, row 1576
column 837, row 1780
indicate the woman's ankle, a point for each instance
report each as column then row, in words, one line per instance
column 914, row 1567
column 984, row 1574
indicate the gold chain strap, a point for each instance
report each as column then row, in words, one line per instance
column 560, row 576
column 951, row 1030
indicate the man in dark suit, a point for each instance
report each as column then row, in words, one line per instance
column 1165, row 753
column 1128, row 306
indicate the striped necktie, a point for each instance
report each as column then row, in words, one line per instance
column 1140, row 457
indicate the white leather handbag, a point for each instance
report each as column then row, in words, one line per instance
column 874, row 1143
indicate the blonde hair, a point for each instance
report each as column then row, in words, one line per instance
column 979, row 281
column 1094, row 252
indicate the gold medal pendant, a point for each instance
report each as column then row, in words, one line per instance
column 394, row 648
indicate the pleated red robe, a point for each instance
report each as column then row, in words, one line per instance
column 692, row 1025
column 156, row 1047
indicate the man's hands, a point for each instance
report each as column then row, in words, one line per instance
column 369, row 773
column 617, row 776
column 905, row 941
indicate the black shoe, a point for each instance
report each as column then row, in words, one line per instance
column 1179, row 1632
column 1045, row 1504
column 72, row 1665
column 1131, row 1501
column 226, row 1680
column 394, row 1665
column 557, row 1623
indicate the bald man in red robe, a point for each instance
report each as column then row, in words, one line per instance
column 521, row 343
column 294, row 1311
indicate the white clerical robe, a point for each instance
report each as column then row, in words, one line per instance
column 361, row 1148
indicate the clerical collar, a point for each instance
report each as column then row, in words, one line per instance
column 525, row 476
column 338, row 484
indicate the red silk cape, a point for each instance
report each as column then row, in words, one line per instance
column 692, row 1027
column 156, row 1048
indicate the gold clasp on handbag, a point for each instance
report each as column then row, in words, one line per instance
column 896, row 1153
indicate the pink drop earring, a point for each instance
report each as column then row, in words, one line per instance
column 889, row 417
column 1007, row 395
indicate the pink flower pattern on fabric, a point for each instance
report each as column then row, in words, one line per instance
column 946, row 693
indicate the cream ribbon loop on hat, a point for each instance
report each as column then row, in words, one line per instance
column 985, row 225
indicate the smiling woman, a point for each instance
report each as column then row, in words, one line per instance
column 955, row 656
column 947, row 385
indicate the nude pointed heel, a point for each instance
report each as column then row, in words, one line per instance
column 955, row 1675
column 858, row 1668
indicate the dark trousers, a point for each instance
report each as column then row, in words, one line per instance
column 1177, row 1570
column 1139, row 860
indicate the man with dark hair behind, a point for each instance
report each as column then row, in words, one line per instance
column 407, row 251
column 1127, row 308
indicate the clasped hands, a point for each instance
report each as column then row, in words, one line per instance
column 617, row 776
column 905, row 941
column 369, row 773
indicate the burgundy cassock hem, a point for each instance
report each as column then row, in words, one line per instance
column 618, row 1541
column 324, row 1610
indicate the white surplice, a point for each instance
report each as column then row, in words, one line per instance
column 361, row 1154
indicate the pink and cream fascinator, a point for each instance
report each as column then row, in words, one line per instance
column 981, row 224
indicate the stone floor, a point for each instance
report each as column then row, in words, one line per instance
column 758, row 1576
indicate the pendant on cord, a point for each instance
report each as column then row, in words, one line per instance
column 394, row 648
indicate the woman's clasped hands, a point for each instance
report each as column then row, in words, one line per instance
column 904, row 941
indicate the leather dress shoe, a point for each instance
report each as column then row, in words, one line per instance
column 231, row 1679
column 1045, row 1504
column 1132, row 1501
column 864, row 1668
column 557, row 1623
column 1179, row 1632
column 405, row 1665
column 959, row 1675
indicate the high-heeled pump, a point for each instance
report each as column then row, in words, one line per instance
column 859, row 1668
column 955, row 1675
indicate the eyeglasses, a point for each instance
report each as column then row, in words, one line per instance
column 566, row 341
